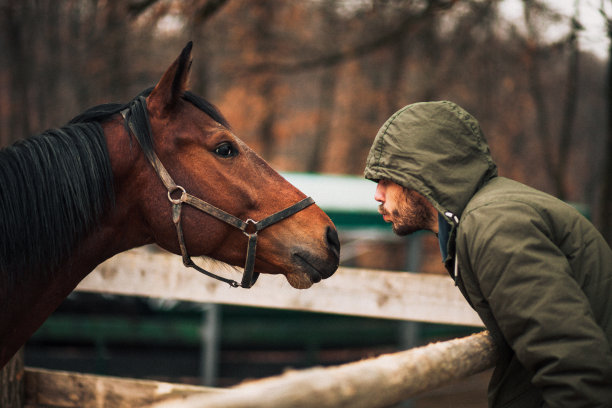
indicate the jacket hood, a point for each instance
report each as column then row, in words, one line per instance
column 436, row 149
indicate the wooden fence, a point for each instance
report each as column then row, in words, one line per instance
column 379, row 294
column 358, row 292
column 374, row 383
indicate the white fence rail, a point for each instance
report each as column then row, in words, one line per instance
column 357, row 292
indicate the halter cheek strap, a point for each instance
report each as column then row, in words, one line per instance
column 249, row 227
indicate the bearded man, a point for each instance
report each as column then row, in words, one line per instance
column 536, row 271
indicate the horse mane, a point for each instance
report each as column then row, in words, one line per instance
column 56, row 186
column 136, row 113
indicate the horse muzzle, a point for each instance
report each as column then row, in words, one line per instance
column 311, row 268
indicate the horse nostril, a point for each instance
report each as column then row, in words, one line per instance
column 332, row 240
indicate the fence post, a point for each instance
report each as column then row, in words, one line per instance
column 12, row 382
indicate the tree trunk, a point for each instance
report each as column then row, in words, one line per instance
column 265, row 43
column 14, row 24
column 327, row 93
column 11, row 382
column 569, row 111
column 555, row 152
column 605, row 207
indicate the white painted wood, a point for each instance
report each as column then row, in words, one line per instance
column 358, row 292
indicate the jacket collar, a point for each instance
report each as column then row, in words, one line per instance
column 444, row 229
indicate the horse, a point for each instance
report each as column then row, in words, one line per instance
column 163, row 169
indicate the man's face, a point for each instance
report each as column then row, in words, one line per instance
column 407, row 210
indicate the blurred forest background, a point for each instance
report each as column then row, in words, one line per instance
column 307, row 84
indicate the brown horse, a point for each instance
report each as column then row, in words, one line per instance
column 73, row 197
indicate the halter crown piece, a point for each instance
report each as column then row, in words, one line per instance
column 249, row 277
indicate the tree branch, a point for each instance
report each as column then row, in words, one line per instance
column 405, row 25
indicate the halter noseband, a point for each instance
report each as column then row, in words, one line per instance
column 249, row 227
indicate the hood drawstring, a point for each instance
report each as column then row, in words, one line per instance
column 456, row 271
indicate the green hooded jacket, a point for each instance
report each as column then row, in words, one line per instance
column 536, row 271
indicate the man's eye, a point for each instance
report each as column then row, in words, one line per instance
column 225, row 150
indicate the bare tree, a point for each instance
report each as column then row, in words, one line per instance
column 267, row 83
column 200, row 12
column 605, row 206
column 16, row 16
column 555, row 152
column 327, row 92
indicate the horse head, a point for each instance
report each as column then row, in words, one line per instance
column 209, row 165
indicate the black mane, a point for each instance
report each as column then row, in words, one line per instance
column 137, row 114
column 56, row 186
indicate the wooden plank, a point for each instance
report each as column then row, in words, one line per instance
column 374, row 383
column 51, row 388
column 358, row 292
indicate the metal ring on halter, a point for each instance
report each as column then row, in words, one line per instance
column 250, row 276
column 246, row 225
column 178, row 200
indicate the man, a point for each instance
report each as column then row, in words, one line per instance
column 536, row 271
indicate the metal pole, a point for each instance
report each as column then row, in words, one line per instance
column 410, row 331
column 210, row 344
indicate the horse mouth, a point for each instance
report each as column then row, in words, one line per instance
column 307, row 272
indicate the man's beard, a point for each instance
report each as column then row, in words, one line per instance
column 412, row 213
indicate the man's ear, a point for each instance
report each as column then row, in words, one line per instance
column 170, row 88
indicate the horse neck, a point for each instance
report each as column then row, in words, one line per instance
column 34, row 297
column 32, row 300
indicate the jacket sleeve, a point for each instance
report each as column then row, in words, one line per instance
column 541, row 310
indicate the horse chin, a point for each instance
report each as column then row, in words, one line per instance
column 299, row 280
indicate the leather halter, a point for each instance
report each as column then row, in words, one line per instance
column 249, row 227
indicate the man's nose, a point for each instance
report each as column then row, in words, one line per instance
column 379, row 195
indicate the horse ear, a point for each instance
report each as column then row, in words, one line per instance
column 172, row 85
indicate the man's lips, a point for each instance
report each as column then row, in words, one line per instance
column 384, row 214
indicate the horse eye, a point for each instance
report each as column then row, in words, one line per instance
column 225, row 150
